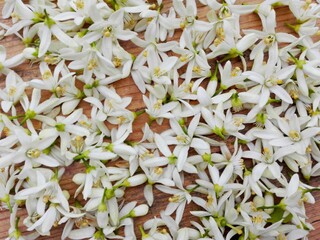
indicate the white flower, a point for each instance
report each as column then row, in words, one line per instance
column 108, row 31
column 7, row 64
column 291, row 138
column 270, row 81
column 13, row 91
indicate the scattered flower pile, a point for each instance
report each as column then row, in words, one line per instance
column 243, row 107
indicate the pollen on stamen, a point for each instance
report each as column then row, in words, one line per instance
column 46, row 75
column 175, row 198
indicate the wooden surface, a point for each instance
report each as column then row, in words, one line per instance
column 126, row 87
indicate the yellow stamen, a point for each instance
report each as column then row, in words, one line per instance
column 269, row 40
column 12, row 91
column 46, row 75
column 294, row 135
column 175, row 198
column 158, row 170
column 60, row 91
column 79, row 4
column 33, row 153
column 235, row 72
column 78, row 142
column 181, row 138
column 117, row 62
column 92, row 64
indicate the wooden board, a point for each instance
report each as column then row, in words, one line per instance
column 126, row 87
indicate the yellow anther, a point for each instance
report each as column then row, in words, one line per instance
column 253, row 207
column 85, row 124
column 238, row 121
column 50, row 59
column 309, row 149
column 78, row 142
column 279, row 81
column 145, row 53
column 79, row 4
column 307, row 4
column 60, row 91
column 210, row 199
column 46, row 75
column 157, row 71
column 235, row 72
column 149, row 20
column 187, row 87
column 56, row 224
column 121, row 119
column 183, row 58
column 46, row 198
column 196, row 69
column 82, row 223
column 33, row 153
column 153, row 6
column 158, row 104
column 158, row 170
column 181, row 138
column 294, row 94
column 281, row 236
column 175, row 198
column 92, row 64
column 269, row 40
column 163, row 231
column 224, row 12
column 117, row 62
column 257, row 219
column 35, row 217
column 217, row 41
column 294, row 135
column 220, row 33
column 12, row 91
column 15, row 16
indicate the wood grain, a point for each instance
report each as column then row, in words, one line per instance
column 126, row 87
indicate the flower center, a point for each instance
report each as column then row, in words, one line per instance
column 78, row 143
column 92, row 64
column 235, row 72
column 158, row 170
column 117, row 62
column 175, row 198
column 273, row 81
column 224, row 12
column 79, row 4
column 269, row 40
column 82, row 222
column 46, row 75
column 33, row 153
column 182, row 139
column 238, row 121
column 107, row 31
column 257, row 219
column 209, row 200
column 294, row 135
column 12, row 91
column 60, row 91
column 158, row 104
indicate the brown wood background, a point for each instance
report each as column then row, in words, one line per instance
column 126, row 87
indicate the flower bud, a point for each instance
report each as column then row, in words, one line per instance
column 268, row 201
column 258, row 201
column 139, row 211
column 30, row 53
column 135, row 180
column 79, row 178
